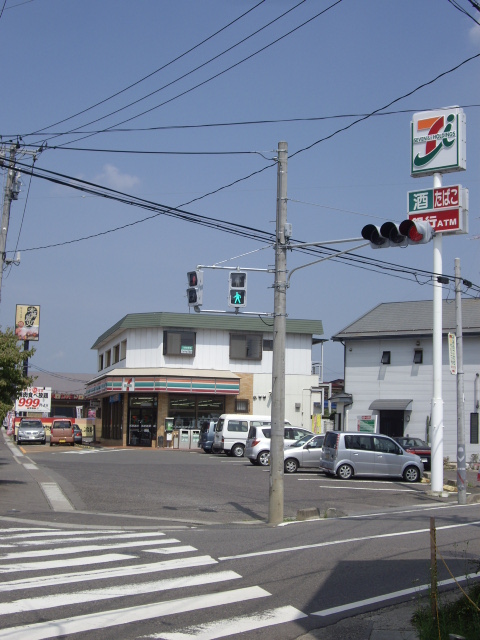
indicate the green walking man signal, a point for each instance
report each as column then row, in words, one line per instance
column 237, row 289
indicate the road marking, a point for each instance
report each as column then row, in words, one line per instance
column 117, row 617
column 30, row 465
column 390, row 596
column 55, row 497
column 182, row 549
column 118, row 591
column 88, row 548
column 347, row 541
column 59, row 564
column 86, row 536
column 104, row 574
column 396, row 490
column 239, row 624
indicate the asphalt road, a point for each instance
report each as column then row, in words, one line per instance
column 211, row 489
column 172, row 545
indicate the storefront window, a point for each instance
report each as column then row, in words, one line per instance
column 189, row 411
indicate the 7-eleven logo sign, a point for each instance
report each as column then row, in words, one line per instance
column 438, row 142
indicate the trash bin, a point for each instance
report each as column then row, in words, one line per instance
column 194, row 437
column 160, row 441
column 184, row 439
column 176, row 439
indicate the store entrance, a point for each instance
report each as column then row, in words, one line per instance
column 142, row 421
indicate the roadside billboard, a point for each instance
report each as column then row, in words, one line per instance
column 27, row 322
column 34, row 400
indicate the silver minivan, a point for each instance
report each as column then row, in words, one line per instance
column 353, row 453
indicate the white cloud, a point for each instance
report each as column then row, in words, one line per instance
column 474, row 35
column 111, row 177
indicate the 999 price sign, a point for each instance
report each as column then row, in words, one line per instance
column 35, row 399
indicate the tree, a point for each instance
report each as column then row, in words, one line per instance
column 12, row 379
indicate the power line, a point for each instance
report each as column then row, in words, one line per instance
column 167, row 64
column 233, row 124
column 204, row 82
column 245, row 231
column 198, row 67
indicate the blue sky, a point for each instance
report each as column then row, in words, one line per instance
column 62, row 57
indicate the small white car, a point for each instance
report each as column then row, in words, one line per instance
column 304, row 453
column 257, row 448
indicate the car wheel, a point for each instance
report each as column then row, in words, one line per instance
column 263, row 458
column 291, row 465
column 18, row 442
column 345, row 471
column 411, row 474
column 44, row 442
column 51, row 443
column 237, row 450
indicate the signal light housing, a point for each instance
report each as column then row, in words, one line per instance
column 237, row 289
column 195, row 288
column 393, row 235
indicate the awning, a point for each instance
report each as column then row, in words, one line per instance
column 396, row 404
column 164, row 380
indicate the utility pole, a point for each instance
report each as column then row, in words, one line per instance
column 7, row 201
column 437, row 398
column 276, row 502
column 461, row 462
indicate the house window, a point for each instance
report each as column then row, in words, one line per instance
column 385, row 357
column 116, row 353
column 474, row 428
column 268, row 345
column 100, row 362
column 108, row 358
column 245, row 346
column 178, row 343
column 241, row 406
column 123, row 350
column 418, row 356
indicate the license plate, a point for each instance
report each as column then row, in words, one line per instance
column 62, row 440
column 424, row 459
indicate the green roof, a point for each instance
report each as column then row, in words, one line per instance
column 226, row 322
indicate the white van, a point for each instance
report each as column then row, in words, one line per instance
column 232, row 429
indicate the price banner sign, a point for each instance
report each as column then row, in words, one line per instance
column 35, row 399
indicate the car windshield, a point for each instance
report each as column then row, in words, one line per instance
column 413, row 442
column 30, row 424
column 301, row 442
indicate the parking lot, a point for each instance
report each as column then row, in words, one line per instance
column 212, row 488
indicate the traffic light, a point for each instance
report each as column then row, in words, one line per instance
column 393, row 235
column 195, row 288
column 237, row 289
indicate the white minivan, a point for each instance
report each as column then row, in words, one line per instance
column 232, row 429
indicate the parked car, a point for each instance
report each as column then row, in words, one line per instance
column 232, row 429
column 367, row 454
column 77, row 434
column 207, row 433
column 257, row 446
column 62, row 432
column 419, row 447
column 305, row 452
column 31, row 431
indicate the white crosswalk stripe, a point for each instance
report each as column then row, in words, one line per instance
column 44, row 596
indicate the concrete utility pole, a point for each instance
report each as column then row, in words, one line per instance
column 461, row 462
column 7, row 201
column 276, row 502
column 437, row 398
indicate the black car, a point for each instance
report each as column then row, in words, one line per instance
column 418, row 447
column 77, row 434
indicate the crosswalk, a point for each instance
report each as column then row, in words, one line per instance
column 108, row 583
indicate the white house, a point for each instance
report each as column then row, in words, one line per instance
column 388, row 372
column 155, row 369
